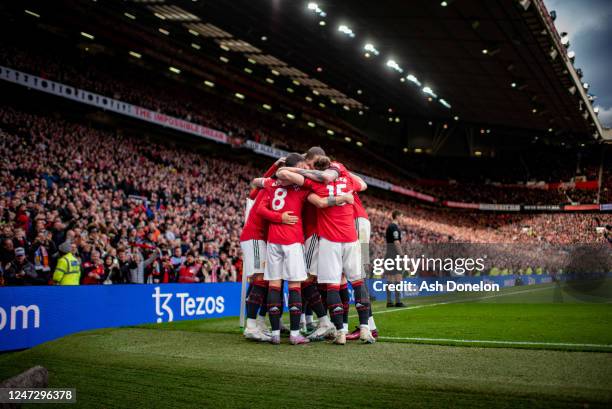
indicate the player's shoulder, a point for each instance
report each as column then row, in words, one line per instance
column 337, row 166
column 269, row 182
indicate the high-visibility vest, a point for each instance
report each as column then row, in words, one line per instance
column 68, row 270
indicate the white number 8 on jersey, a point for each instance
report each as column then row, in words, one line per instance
column 278, row 202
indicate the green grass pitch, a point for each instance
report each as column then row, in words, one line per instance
column 538, row 346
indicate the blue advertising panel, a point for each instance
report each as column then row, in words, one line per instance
column 32, row 315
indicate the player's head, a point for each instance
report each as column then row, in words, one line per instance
column 313, row 154
column 321, row 163
column 396, row 214
column 295, row 160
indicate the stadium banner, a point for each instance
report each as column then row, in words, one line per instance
column 33, row 315
column 554, row 208
column 500, row 207
column 460, row 205
column 574, row 208
column 114, row 105
column 412, row 193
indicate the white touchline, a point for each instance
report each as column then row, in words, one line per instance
column 413, row 307
column 482, row 341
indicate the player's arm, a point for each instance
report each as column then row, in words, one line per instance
column 258, row 183
column 396, row 242
column 321, row 176
column 271, row 171
column 359, row 184
column 275, row 217
column 323, row 202
column 286, row 175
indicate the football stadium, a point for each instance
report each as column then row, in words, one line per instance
column 299, row 204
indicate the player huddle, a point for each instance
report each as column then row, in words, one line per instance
column 306, row 225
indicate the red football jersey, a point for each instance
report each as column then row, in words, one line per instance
column 357, row 205
column 256, row 226
column 282, row 199
column 309, row 219
column 336, row 223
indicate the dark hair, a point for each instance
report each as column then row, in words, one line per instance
column 396, row 214
column 322, row 163
column 314, row 151
column 293, row 159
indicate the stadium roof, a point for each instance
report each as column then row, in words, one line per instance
column 494, row 62
column 394, row 71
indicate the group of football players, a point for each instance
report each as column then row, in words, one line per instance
column 305, row 225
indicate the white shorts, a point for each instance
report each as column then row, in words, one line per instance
column 363, row 232
column 336, row 258
column 253, row 257
column 285, row 262
column 311, row 249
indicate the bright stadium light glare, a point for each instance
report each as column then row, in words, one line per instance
column 346, row 30
column 135, row 54
column 174, row 70
column 290, row 116
column 312, row 6
column 311, row 124
column 209, row 84
column 346, row 138
column 394, row 65
column 429, row 91
column 330, row 132
column 267, row 107
column 130, row 16
column 239, row 95
column 163, row 31
column 196, row 46
column 31, row 13
column 413, row 79
column 359, row 143
column 369, row 47
column 87, row 35
column 446, row 104
column 322, row 23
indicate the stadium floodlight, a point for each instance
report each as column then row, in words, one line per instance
column 130, row 16
column 359, row 143
column 322, row 23
column 346, row 138
column 275, row 72
column 194, row 33
column 413, row 79
column 209, row 84
column 196, row 46
column 224, row 59
column 405, row 150
column 330, row 132
column 456, row 118
column 163, row 31
column 290, row 116
column 525, row 4
column 87, row 35
column 369, row 47
column 311, row 124
column 360, row 112
column 418, row 150
column 252, row 61
column 346, row 30
column 513, row 85
column 308, row 98
column 446, row 104
column 313, row 6
column 267, row 107
column 135, row 54
column 394, row 65
column 444, row 4
column 269, row 80
column 174, row 70
column 31, row 13
column 239, row 95
column 248, row 70
column 430, row 92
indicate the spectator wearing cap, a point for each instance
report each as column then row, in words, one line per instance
column 20, row 271
column 68, row 269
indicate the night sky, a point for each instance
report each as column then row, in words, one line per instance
column 589, row 25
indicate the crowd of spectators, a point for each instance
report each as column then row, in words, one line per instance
column 137, row 211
